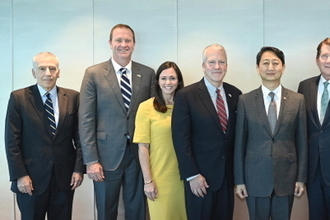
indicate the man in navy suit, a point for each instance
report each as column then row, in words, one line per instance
column 203, row 144
column 45, row 165
column 318, row 122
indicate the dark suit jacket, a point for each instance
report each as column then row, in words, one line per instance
column 200, row 144
column 31, row 148
column 104, row 123
column 264, row 161
column 318, row 135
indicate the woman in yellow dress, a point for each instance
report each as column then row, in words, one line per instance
column 162, row 184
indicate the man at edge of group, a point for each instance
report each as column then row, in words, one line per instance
column 318, row 121
column 44, row 157
column 110, row 95
column 203, row 144
column 270, row 161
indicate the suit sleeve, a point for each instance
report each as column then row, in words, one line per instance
column 181, row 134
column 301, row 142
column 152, row 84
column 13, row 132
column 79, row 165
column 87, row 119
column 240, row 143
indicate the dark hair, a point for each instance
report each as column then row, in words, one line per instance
column 159, row 102
column 121, row 26
column 275, row 50
column 326, row 41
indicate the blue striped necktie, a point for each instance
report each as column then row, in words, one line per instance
column 50, row 113
column 125, row 88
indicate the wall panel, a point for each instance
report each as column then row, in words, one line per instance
column 7, row 199
column 178, row 30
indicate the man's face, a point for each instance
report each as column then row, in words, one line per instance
column 46, row 71
column 215, row 66
column 122, row 44
column 270, row 67
column 323, row 61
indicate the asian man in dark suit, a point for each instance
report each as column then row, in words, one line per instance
column 203, row 136
column 270, row 161
column 316, row 92
column 44, row 157
column 110, row 95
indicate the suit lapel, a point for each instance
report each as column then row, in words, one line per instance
column 136, row 81
column 204, row 96
column 111, row 77
column 36, row 102
column 63, row 107
column 231, row 105
column 261, row 111
column 313, row 100
column 285, row 100
column 38, row 105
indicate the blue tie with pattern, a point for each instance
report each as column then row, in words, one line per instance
column 324, row 101
column 50, row 113
column 125, row 88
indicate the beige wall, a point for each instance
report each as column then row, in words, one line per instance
column 177, row 30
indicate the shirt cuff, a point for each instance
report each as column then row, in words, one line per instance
column 192, row 177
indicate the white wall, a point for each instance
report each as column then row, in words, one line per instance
column 178, row 30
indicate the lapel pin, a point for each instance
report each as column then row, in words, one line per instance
column 138, row 75
column 229, row 95
column 284, row 97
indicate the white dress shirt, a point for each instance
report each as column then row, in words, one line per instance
column 54, row 98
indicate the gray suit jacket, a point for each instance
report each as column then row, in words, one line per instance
column 264, row 161
column 104, row 123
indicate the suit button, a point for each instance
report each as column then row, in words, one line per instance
column 50, row 162
column 273, row 139
column 321, row 131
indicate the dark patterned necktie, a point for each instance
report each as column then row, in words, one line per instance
column 125, row 88
column 221, row 110
column 50, row 113
column 272, row 115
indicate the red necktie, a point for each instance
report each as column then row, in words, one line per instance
column 221, row 110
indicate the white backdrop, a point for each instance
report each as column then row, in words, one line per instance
column 178, row 30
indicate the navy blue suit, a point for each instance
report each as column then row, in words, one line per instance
column 318, row 187
column 203, row 148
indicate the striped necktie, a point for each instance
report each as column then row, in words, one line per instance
column 125, row 88
column 50, row 113
column 221, row 111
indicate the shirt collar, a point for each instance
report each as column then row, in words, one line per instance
column 211, row 88
column 42, row 91
column 266, row 91
column 322, row 80
column 117, row 67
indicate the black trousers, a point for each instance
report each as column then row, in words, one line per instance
column 318, row 193
column 215, row 205
column 53, row 202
